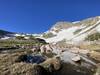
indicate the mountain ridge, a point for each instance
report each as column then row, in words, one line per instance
column 74, row 31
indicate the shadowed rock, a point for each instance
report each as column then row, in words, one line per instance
column 31, row 59
column 39, row 70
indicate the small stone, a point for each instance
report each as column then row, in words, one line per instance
column 76, row 58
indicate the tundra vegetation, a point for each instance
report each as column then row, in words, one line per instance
column 9, row 57
column 93, row 37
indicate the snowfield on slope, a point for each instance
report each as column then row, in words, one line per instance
column 83, row 34
column 68, row 34
column 63, row 34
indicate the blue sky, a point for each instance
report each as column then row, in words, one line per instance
column 36, row 16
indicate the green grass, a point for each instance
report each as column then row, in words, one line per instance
column 93, row 37
column 8, row 64
column 48, row 35
column 7, row 60
column 77, row 31
column 11, row 42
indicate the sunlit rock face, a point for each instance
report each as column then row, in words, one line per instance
column 31, row 59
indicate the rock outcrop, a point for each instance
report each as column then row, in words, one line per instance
column 31, row 59
column 52, row 64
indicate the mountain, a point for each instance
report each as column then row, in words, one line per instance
column 85, row 30
column 4, row 34
column 28, row 53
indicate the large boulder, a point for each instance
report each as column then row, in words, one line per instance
column 43, row 49
column 31, row 59
column 40, row 40
column 46, row 48
column 52, row 64
column 35, row 49
column 76, row 58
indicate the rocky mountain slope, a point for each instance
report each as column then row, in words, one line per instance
column 5, row 33
column 85, row 30
column 29, row 54
column 74, row 31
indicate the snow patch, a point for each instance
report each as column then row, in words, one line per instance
column 80, row 38
column 98, row 28
column 63, row 34
column 5, row 38
column 75, row 22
